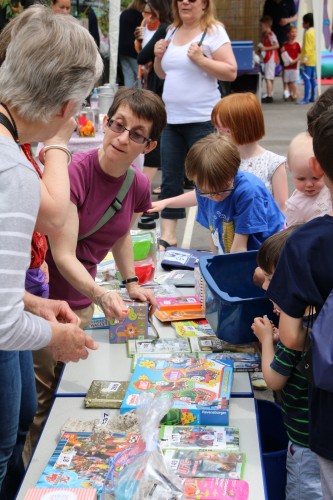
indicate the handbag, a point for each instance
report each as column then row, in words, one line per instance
column 322, row 346
column 116, row 204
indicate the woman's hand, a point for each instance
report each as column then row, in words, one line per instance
column 112, row 305
column 195, row 53
column 160, row 48
column 138, row 292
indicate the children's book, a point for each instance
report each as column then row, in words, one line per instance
column 160, row 358
column 214, row 344
column 98, row 320
column 213, row 488
column 243, row 361
column 198, row 437
column 199, row 389
column 158, row 346
column 83, row 459
column 206, row 463
column 182, row 303
column 179, row 315
column 61, row 494
column 105, row 394
column 193, row 328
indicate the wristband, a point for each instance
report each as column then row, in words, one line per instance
column 135, row 279
column 42, row 152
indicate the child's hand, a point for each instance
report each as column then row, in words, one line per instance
column 158, row 206
column 262, row 329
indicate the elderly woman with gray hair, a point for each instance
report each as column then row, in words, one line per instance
column 42, row 85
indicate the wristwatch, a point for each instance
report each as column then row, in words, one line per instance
column 135, row 279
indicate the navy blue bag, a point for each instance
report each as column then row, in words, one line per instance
column 322, row 346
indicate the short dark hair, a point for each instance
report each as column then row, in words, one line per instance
column 266, row 20
column 323, row 142
column 323, row 102
column 269, row 252
column 308, row 19
column 144, row 104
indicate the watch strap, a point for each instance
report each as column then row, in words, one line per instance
column 134, row 279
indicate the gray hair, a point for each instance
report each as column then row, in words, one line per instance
column 50, row 60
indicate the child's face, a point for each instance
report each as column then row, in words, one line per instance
column 263, row 27
column 292, row 34
column 220, row 195
column 305, row 181
column 265, row 285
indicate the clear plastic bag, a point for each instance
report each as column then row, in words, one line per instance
column 148, row 476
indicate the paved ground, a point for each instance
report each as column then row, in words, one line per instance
column 283, row 120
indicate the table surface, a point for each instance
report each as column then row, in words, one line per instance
column 110, row 362
column 242, row 415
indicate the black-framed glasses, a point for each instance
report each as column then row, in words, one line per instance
column 191, row 1
column 217, row 193
column 119, row 129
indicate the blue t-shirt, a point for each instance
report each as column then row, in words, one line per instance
column 249, row 209
column 303, row 277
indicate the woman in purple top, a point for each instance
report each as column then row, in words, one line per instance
column 134, row 122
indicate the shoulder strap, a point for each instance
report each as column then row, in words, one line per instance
column 115, row 206
column 202, row 37
column 7, row 124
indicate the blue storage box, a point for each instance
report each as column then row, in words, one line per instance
column 244, row 55
column 232, row 299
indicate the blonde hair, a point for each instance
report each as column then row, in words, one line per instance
column 300, row 150
column 241, row 113
column 207, row 21
column 212, row 162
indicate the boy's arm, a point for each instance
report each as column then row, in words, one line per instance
column 182, row 201
column 292, row 332
column 239, row 243
column 263, row 330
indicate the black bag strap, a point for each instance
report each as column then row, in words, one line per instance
column 115, row 206
column 6, row 123
column 202, row 37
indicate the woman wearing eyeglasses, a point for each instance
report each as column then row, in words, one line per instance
column 194, row 55
column 134, row 121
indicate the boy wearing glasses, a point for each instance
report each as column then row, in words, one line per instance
column 235, row 206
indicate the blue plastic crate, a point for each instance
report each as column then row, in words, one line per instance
column 243, row 52
column 232, row 299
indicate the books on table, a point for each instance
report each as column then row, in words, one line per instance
column 196, row 437
column 211, row 488
column 105, row 394
column 182, row 303
column 158, row 346
column 193, row 328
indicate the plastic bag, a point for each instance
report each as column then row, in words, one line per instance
column 148, row 476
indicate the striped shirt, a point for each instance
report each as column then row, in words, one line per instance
column 19, row 204
column 294, row 395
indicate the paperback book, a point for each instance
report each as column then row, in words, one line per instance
column 199, row 389
column 174, row 315
column 180, row 278
column 206, row 463
column 208, row 437
column 61, row 494
column 105, row 394
column 83, row 459
column 213, row 488
column 243, row 361
column 158, row 346
column 182, row 303
column 193, row 328
column 161, row 359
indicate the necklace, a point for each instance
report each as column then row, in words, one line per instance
column 10, row 126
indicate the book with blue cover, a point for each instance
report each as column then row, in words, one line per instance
column 199, row 389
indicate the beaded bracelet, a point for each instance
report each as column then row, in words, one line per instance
column 42, row 152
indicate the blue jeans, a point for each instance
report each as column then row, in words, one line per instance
column 18, row 404
column 303, row 474
column 130, row 68
column 176, row 140
column 309, row 77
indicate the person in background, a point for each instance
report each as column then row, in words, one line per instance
column 61, row 6
column 290, row 54
column 308, row 60
column 196, row 49
column 279, row 367
column 303, row 277
column 269, row 47
column 311, row 197
column 283, row 13
column 39, row 93
column 130, row 19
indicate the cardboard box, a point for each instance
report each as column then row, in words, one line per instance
column 135, row 326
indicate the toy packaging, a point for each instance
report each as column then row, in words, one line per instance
column 190, row 437
column 199, row 389
column 206, row 463
column 158, row 346
column 243, row 361
column 135, row 326
column 61, row 494
column 82, row 459
column 149, row 476
column 179, row 315
column 105, row 394
column 193, row 328
column 182, row 303
column 210, row 488
column 98, row 320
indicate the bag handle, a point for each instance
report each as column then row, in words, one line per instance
column 115, row 206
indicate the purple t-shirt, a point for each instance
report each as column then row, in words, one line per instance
column 92, row 191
